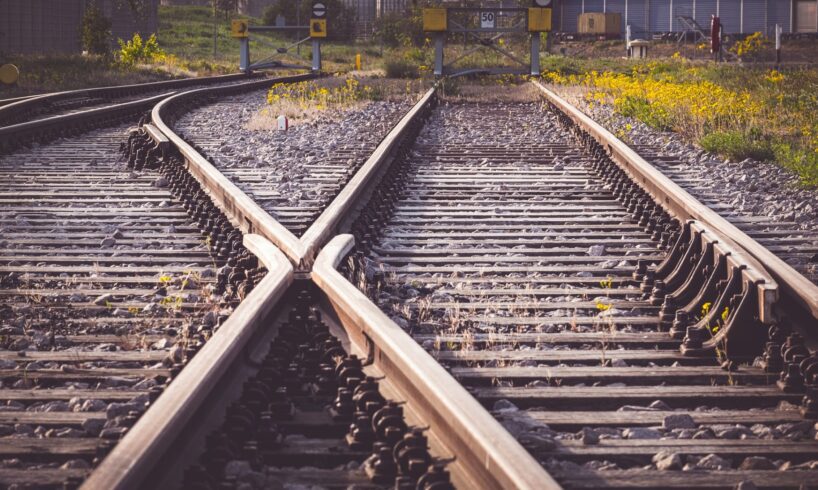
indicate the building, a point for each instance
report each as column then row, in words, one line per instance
column 368, row 11
column 53, row 26
column 647, row 17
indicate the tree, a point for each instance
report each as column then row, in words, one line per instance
column 95, row 31
column 227, row 6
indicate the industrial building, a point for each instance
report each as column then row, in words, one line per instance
column 53, row 26
column 647, row 17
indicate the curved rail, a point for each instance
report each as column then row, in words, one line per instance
column 53, row 127
column 130, row 462
column 15, row 109
column 679, row 202
column 487, row 456
column 249, row 216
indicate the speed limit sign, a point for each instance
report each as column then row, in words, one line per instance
column 487, row 20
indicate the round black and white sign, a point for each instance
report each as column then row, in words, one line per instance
column 542, row 3
column 319, row 10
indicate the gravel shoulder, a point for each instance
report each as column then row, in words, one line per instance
column 748, row 188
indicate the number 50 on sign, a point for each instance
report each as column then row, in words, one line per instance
column 487, row 20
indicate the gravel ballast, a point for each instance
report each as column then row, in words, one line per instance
column 291, row 174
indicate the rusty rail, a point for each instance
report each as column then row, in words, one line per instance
column 684, row 206
column 486, row 455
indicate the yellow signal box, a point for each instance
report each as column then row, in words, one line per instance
column 239, row 28
column 434, row 20
column 9, row 74
column 318, row 27
column 539, row 19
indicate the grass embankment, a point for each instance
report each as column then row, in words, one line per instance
column 55, row 73
column 186, row 35
column 735, row 111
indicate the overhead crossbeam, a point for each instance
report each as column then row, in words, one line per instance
column 241, row 30
column 474, row 21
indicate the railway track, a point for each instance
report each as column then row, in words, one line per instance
column 532, row 269
column 36, row 107
column 537, row 316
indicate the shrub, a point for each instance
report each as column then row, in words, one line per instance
column 802, row 162
column 95, row 31
column 400, row 68
column 398, row 29
column 137, row 51
column 751, row 47
column 738, row 145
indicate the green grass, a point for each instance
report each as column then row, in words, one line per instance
column 786, row 132
column 186, row 32
column 53, row 73
column 738, row 145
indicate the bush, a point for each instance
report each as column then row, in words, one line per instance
column 400, row 68
column 95, row 31
column 738, row 145
column 397, row 29
column 751, row 47
column 802, row 162
column 137, row 51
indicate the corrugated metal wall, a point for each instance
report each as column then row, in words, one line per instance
column 778, row 12
column 638, row 17
column 704, row 10
column 659, row 15
column 594, row 5
column 570, row 15
column 649, row 16
column 52, row 26
column 730, row 13
column 755, row 16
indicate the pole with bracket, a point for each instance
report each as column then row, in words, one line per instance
column 535, row 54
column 318, row 30
column 439, row 40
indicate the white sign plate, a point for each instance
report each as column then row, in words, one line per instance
column 488, row 20
column 319, row 10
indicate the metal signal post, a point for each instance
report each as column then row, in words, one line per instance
column 475, row 22
column 317, row 29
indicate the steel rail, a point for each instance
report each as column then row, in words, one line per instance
column 16, row 107
column 20, row 134
column 254, row 219
column 684, row 206
column 131, row 461
column 244, row 211
column 486, row 455
column 332, row 218
column 5, row 102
